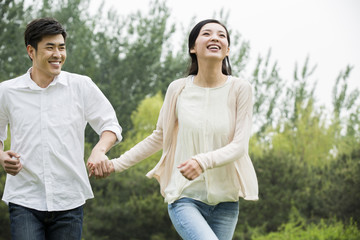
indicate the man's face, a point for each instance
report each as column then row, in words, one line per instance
column 49, row 56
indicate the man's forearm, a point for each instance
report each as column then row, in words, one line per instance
column 107, row 140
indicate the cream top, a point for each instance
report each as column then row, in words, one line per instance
column 203, row 117
column 233, row 158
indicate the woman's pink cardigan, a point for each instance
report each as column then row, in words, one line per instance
column 165, row 136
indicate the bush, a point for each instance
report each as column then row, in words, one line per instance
column 298, row 229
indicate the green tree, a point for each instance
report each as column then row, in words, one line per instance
column 137, row 61
column 345, row 125
column 302, row 160
column 12, row 47
column 298, row 229
column 268, row 87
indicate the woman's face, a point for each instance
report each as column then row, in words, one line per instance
column 211, row 43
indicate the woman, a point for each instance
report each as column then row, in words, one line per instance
column 204, row 128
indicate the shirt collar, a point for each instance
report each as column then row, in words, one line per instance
column 27, row 82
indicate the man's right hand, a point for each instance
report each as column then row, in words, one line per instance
column 10, row 161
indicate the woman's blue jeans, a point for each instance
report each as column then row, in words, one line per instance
column 195, row 220
column 31, row 224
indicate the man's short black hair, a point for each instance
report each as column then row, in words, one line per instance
column 41, row 27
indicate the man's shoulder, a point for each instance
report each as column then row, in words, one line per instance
column 75, row 80
column 74, row 76
column 11, row 82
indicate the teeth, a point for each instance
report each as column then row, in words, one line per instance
column 213, row 47
column 56, row 63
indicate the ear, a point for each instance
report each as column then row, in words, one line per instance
column 193, row 50
column 228, row 52
column 31, row 51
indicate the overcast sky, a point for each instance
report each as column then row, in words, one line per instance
column 326, row 30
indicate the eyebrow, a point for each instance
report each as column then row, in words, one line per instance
column 209, row 30
column 53, row 44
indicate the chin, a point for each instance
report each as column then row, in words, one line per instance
column 57, row 72
column 54, row 74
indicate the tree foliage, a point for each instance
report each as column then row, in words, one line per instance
column 12, row 51
column 298, row 229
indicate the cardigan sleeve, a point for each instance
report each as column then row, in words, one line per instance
column 143, row 149
column 151, row 144
column 139, row 152
column 238, row 147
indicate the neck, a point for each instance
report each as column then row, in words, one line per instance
column 41, row 80
column 210, row 75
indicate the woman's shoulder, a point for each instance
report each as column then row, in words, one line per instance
column 241, row 83
column 179, row 81
column 177, row 84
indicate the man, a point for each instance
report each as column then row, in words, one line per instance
column 47, row 109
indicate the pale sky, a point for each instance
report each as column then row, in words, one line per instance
column 326, row 30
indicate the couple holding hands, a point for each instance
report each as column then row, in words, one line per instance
column 203, row 130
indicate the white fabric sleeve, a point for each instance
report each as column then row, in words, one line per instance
column 99, row 112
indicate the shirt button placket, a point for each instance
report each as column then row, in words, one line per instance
column 45, row 148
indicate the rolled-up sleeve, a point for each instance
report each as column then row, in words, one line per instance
column 99, row 112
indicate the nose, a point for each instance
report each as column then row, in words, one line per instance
column 214, row 37
column 56, row 52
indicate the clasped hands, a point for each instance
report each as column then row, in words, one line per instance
column 99, row 165
column 103, row 167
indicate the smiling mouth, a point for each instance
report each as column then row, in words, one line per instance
column 55, row 62
column 214, row 47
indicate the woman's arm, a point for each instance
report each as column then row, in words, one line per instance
column 238, row 147
column 152, row 143
column 139, row 152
